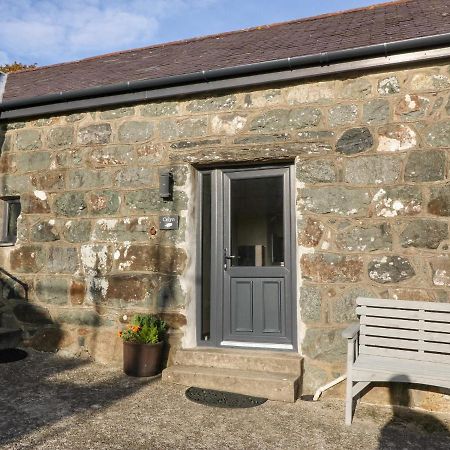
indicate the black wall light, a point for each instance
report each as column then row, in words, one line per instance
column 165, row 185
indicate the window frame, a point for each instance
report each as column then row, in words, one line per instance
column 6, row 237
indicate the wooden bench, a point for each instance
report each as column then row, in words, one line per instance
column 397, row 341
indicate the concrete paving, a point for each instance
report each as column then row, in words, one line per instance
column 51, row 402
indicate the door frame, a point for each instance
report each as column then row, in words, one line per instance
column 217, row 233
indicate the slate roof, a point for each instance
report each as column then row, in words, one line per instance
column 388, row 22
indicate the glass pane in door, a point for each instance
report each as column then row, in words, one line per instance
column 257, row 228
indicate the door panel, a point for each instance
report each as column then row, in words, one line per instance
column 242, row 293
column 272, row 299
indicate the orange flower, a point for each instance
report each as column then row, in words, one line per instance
column 135, row 329
column 120, row 334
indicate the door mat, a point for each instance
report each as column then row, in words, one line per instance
column 222, row 399
column 8, row 355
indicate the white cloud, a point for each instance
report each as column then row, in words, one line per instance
column 39, row 31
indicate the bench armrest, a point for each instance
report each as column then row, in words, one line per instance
column 351, row 331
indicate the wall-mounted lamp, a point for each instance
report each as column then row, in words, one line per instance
column 165, row 185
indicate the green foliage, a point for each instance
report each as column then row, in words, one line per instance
column 15, row 67
column 144, row 329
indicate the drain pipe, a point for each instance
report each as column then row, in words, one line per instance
column 2, row 84
column 327, row 386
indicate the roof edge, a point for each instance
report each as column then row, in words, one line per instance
column 61, row 101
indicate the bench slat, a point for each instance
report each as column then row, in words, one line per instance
column 404, row 354
column 405, row 344
column 404, row 334
column 405, row 324
column 403, row 314
column 403, row 304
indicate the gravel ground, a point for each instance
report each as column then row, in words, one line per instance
column 51, row 402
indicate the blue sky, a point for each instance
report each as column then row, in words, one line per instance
column 52, row 31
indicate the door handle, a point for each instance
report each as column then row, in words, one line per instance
column 227, row 258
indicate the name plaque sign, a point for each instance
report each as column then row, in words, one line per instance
column 169, row 222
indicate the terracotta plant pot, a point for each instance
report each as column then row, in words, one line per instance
column 142, row 360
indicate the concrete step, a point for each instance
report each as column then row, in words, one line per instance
column 238, row 359
column 272, row 385
column 10, row 337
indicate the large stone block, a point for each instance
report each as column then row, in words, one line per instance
column 49, row 180
column 148, row 200
column 52, row 290
column 439, row 203
column 397, row 201
column 27, row 259
column 137, row 177
column 60, row 137
column 316, row 171
column 133, row 131
column 389, row 85
column 79, row 317
column 111, row 155
column 342, row 115
column 77, row 231
column 95, row 134
column 104, row 202
column 14, row 184
column 365, row 238
column 310, row 232
column 159, row 109
column 126, row 289
column 356, row 88
column 228, row 124
column 125, row 230
column 316, row 92
column 310, row 304
column 335, row 200
column 412, row 106
column 89, row 179
column 62, row 260
column 390, row 269
column 372, row 170
column 225, row 102
column 377, row 112
column 344, row 307
column 422, row 233
column 70, row 204
column 331, row 268
column 36, row 203
column 325, row 344
column 33, row 161
column 426, row 166
column 354, row 140
column 117, row 113
column 172, row 129
column 150, row 258
column 28, row 140
column 440, row 267
column 438, row 134
column 96, row 259
column 396, row 138
column 285, row 119
column 44, row 231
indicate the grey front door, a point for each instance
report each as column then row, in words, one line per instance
column 256, row 248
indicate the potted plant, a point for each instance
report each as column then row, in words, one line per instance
column 143, row 342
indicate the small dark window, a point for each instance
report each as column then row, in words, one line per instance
column 9, row 211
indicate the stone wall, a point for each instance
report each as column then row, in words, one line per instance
column 373, row 201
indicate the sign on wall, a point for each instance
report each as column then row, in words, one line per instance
column 168, row 222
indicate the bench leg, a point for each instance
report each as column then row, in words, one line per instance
column 349, row 402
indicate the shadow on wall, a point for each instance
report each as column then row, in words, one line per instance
column 417, row 429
